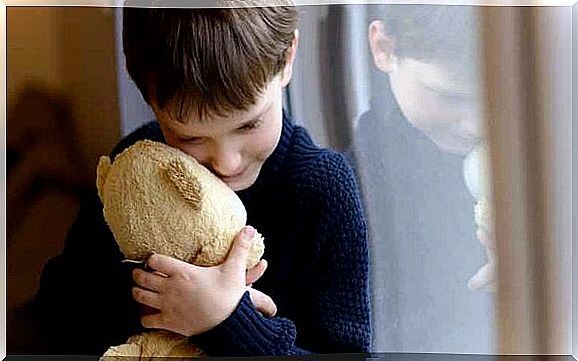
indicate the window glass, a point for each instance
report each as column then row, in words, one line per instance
column 419, row 153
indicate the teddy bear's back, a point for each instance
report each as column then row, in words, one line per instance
column 148, row 213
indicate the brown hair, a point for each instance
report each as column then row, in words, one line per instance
column 212, row 60
column 427, row 32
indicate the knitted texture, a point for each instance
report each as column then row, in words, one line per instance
column 306, row 205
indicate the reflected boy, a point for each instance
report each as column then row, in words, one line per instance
column 410, row 146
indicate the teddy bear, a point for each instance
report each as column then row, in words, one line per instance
column 477, row 179
column 158, row 199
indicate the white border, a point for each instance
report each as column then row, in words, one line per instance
column 172, row 3
column 211, row 3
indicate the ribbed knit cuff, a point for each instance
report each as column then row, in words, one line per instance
column 247, row 333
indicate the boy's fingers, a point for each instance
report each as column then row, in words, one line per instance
column 256, row 272
column 160, row 274
column 146, row 297
column 240, row 251
column 149, row 280
column 152, row 321
column 165, row 265
column 262, row 302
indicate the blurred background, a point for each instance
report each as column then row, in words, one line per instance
column 436, row 285
column 62, row 114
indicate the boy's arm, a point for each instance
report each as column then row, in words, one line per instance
column 339, row 299
column 83, row 303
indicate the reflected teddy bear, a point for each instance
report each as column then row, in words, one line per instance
column 477, row 176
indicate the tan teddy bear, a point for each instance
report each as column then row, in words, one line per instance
column 157, row 199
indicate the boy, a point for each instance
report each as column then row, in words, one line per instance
column 214, row 79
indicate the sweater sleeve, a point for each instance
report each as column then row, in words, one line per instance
column 83, row 304
column 341, row 279
column 247, row 333
column 339, row 299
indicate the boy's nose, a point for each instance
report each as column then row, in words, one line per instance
column 226, row 164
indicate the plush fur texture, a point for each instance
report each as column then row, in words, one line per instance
column 157, row 199
column 151, row 345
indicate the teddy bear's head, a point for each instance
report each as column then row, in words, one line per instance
column 158, row 199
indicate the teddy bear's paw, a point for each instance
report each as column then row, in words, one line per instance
column 257, row 250
column 126, row 352
column 155, row 344
column 484, row 279
column 187, row 350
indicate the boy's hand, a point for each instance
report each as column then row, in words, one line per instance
column 263, row 303
column 256, row 272
column 192, row 299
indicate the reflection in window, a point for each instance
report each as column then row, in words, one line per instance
column 419, row 152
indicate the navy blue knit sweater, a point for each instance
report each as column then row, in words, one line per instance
column 305, row 202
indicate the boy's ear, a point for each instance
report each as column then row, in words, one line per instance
column 291, row 53
column 382, row 47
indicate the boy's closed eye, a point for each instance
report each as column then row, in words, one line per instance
column 450, row 95
column 250, row 125
column 191, row 140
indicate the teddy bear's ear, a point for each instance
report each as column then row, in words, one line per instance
column 185, row 182
column 102, row 170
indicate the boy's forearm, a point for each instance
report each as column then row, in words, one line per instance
column 82, row 305
column 247, row 333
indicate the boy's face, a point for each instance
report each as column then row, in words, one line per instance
column 441, row 98
column 439, row 101
column 234, row 147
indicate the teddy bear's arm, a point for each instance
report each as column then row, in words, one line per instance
column 123, row 352
column 153, row 345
